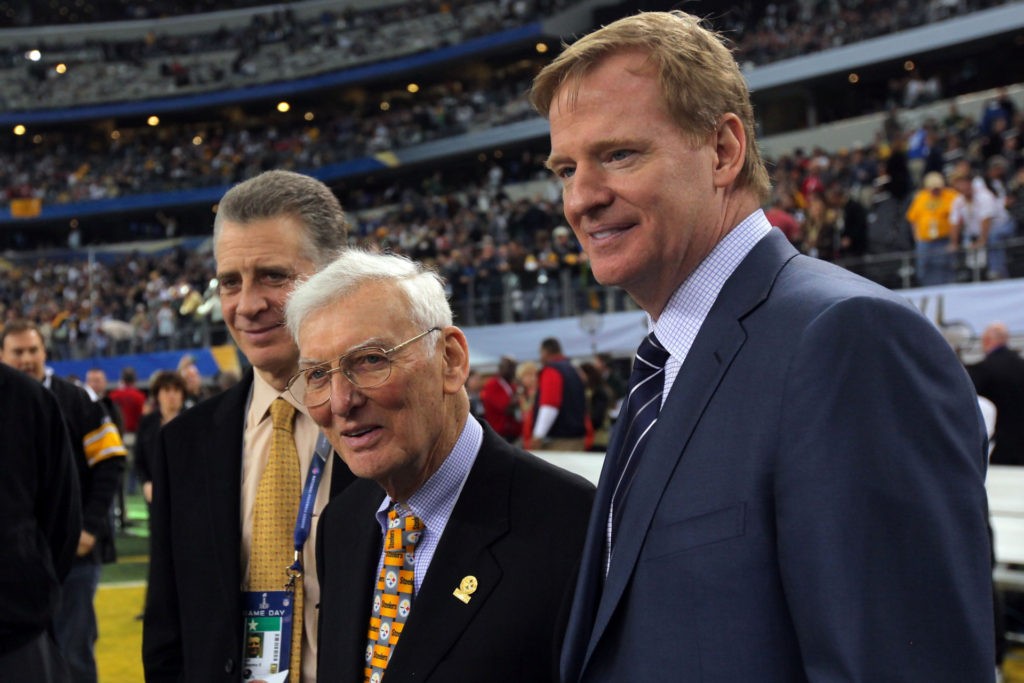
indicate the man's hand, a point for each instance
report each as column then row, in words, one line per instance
column 86, row 542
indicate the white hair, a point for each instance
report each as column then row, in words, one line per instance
column 424, row 289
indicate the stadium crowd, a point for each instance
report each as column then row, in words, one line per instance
column 78, row 164
column 501, row 247
column 279, row 44
column 275, row 45
column 83, row 163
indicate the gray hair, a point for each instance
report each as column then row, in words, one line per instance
column 283, row 193
column 423, row 288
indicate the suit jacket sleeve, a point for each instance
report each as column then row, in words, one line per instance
column 161, row 647
column 881, row 504
column 60, row 506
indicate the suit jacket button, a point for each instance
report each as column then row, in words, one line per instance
column 229, row 665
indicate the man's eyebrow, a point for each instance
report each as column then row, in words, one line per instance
column 553, row 160
column 371, row 343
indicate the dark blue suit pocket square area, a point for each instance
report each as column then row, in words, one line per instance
column 711, row 527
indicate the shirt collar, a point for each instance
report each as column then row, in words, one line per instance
column 690, row 304
column 434, row 501
column 262, row 396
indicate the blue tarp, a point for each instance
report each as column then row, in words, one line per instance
column 145, row 364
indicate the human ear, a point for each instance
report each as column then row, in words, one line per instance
column 730, row 150
column 455, row 350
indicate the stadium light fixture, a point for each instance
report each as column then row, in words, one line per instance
column 853, row 78
column 61, row 68
column 19, row 129
column 541, row 48
column 153, row 120
column 413, row 88
column 33, row 55
column 283, row 107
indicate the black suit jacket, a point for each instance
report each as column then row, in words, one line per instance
column 517, row 527
column 1000, row 378
column 40, row 507
column 193, row 622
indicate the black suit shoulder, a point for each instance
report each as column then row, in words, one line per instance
column 517, row 527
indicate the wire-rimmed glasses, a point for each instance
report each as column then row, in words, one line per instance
column 366, row 368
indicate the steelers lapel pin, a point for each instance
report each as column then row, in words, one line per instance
column 466, row 589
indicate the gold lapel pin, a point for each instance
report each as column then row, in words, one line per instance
column 466, row 589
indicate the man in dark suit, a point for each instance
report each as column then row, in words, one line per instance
column 800, row 496
column 99, row 461
column 1000, row 378
column 42, row 513
column 269, row 232
column 484, row 593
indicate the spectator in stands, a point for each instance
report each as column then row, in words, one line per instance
column 930, row 217
column 130, row 400
column 41, row 509
column 773, row 367
column 527, row 373
column 498, row 396
column 195, row 388
column 474, row 384
column 599, row 403
column 96, row 381
column 999, row 377
column 169, row 391
column 995, row 179
column 971, row 218
column 99, row 456
column 819, row 228
column 780, row 214
column 851, row 220
column 560, row 412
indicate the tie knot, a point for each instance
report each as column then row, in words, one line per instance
column 650, row 357
column 404, row 532
column 283, row 414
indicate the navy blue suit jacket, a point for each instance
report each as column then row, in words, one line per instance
column 810, row 506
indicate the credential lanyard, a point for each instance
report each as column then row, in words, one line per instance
column 304, row 521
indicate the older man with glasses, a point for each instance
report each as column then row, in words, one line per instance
column 453, row 558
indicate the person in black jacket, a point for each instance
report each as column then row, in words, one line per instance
column 1000, row 379
column 39, row 503
column 170, row 392
column 99, row 457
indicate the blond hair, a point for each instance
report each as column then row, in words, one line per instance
column 699, row 78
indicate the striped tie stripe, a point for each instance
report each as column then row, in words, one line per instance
column 640, row 414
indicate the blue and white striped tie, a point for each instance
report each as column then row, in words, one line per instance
column 637, row 420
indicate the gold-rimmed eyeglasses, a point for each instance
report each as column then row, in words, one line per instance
column 366, row 368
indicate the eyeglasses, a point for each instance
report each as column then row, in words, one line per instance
column 365, row 368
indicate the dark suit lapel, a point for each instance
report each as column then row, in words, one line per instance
column 719, row 340
column 352, row 575
column 221, row 459
column 480, row 517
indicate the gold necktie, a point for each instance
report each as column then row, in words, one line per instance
column 273, row 522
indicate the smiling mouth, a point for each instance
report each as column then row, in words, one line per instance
column 609, row 232
column 355, row 433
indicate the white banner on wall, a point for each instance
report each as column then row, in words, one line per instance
column 974, row 305
column 969, row 306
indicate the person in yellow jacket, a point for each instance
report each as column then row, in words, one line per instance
column 929, row 216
